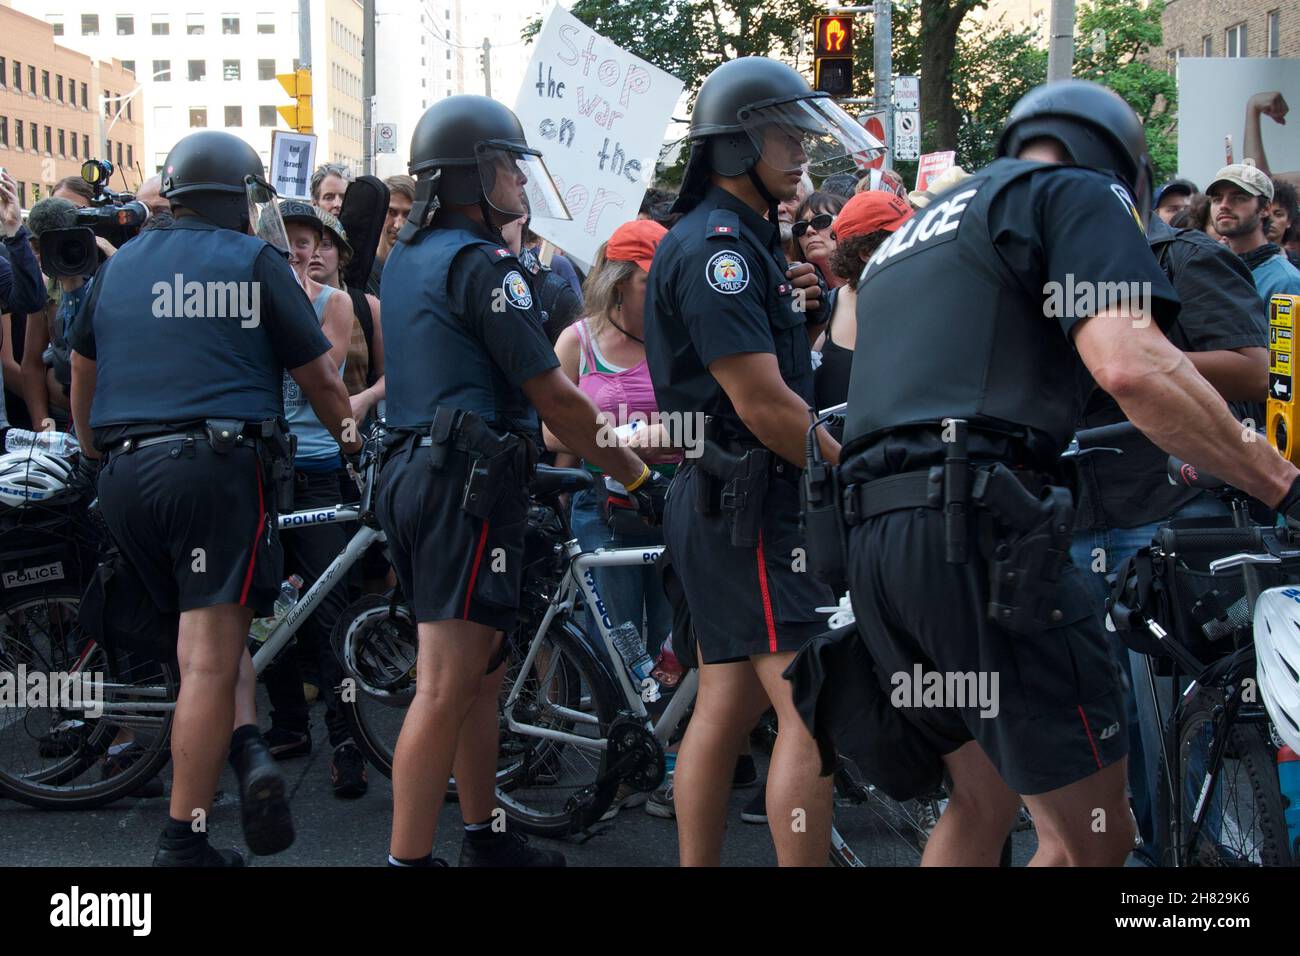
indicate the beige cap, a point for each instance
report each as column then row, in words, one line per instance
column 1247, row 176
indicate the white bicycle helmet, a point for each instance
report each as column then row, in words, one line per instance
column 1277, row 654
column 33, row 476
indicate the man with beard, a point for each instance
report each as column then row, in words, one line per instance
column 1239, row 198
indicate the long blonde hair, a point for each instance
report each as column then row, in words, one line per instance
column 600, row 293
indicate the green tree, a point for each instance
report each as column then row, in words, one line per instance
column 1112, row 39
column 992, row 70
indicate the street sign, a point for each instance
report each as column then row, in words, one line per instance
column 385, row 137
column 875, row 125
column 907, row 93
column 907, row 134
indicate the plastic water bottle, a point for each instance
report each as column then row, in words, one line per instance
column 631, row 647
column 1288, row 779
column 262, row 627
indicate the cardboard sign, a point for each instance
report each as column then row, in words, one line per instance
column 598, row 115
column 293, row 158
column 932, row 166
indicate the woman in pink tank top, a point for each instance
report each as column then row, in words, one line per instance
column 604, row 353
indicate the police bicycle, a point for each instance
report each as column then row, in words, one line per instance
column 52, row 755
column 1189, row 603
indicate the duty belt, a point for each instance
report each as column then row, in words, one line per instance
column 128, row 445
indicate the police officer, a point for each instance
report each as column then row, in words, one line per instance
column 727, row 336
column 469, row 368
column 958, row 551
column 176, row 379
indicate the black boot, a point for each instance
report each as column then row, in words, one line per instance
column 193, row 850
column 268, row 827
column 505, row 849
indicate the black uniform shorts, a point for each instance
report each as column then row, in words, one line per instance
column 451, row 565
column 198, row 526
column 744, row 601
column 1050, row 709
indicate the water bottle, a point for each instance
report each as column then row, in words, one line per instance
column 1288, row 779
column 263, row 626
column 631, row 647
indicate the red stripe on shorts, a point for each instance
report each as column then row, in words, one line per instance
column 261, row 522
column 1088, row 730
column 473, row 574
column 767, row 597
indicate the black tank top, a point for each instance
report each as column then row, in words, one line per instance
column 831, row 383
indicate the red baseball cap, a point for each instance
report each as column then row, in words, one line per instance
column 868, row 211
column 635, row 241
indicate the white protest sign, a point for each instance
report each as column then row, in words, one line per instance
column 293, row 157
column 598, row 115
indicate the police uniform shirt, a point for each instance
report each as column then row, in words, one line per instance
column 494, row 342
column 1221, row 311
column 967, row 310
column 179, row 371
column 718, row 287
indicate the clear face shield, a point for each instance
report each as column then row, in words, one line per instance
column 264, row 213
column 519, row 184
column 815, row 131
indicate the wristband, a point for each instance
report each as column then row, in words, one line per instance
column 641, row 479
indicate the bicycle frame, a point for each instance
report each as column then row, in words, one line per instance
column 578, row 578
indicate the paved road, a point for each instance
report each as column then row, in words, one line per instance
column 334, row 832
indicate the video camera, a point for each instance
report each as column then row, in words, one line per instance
column 116, row 217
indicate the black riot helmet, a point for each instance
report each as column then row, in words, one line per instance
column 220, row 177
column 754, row 109
column 1094, row 125
column 469, row 150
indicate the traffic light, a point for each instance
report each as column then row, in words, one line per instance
column 297, row 85
column 833, row 55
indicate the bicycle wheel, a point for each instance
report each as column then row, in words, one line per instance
column 1243, row 824
column 52, row 749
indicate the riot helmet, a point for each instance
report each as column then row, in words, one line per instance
column 220, row 177
column 754, row 109
column 469, row 150
column 1095, row 127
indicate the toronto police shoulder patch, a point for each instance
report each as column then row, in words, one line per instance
column 517, row 290
column 727, row 272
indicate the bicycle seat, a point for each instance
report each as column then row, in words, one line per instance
column 549, row 481
column 1188, row 476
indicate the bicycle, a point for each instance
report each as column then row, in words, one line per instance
column 1218, row 797
column 572, row 731
column 138, row 694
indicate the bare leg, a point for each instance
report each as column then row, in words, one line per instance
column 475, row 765
column 799, row 801
column 729, row 702
column 980, row 814
column 1087, row 823
column 209, row 646
column 452, row 658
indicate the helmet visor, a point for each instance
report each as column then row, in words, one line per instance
column 814, row 130
column 264, row 213
column 519, row 184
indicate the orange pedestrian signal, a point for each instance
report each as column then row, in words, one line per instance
column 834, row 36
column 833, row 55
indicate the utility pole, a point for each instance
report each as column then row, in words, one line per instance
column 487, row 65
column 304, row 34
column 1060, row 44
column 883, row 66
column 368, row 85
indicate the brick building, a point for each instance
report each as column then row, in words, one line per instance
column 1231, row 28
column 57, row 110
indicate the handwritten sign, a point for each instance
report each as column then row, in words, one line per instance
column 598, row 115
column 293, row 158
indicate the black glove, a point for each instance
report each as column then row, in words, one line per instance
column 85, row 478
column 1289, row 506
column 630, row 512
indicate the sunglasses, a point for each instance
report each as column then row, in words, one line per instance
column 821, row 222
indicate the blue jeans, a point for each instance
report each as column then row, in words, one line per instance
column 631, row 593
column 1116, row 545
